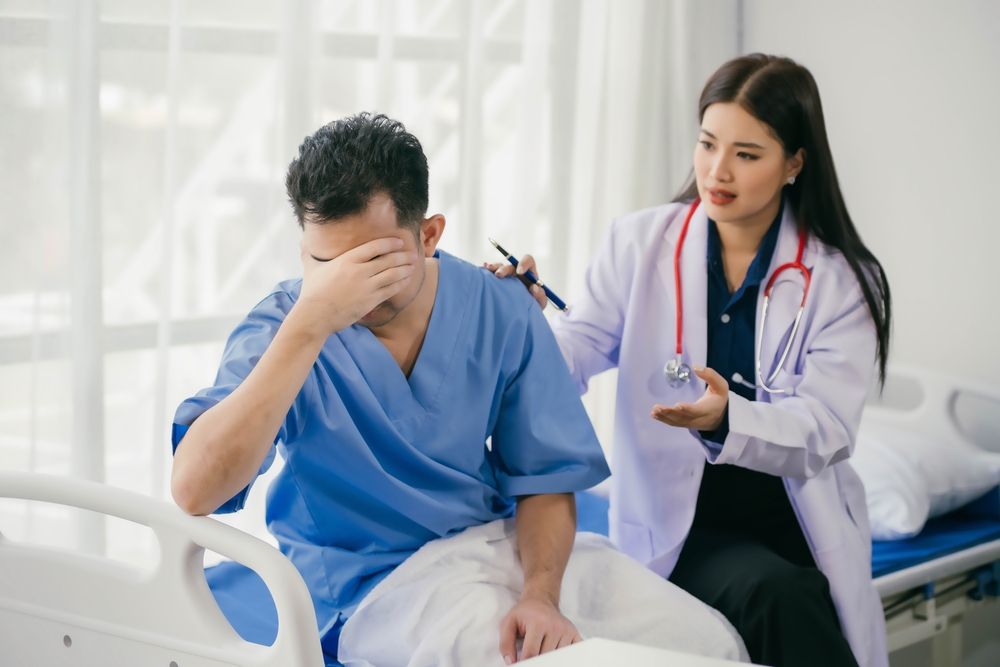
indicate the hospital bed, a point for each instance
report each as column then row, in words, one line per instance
column 62, row 607
column 59, row 607
column 928, row 582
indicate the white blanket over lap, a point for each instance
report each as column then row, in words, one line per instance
column 443, row 605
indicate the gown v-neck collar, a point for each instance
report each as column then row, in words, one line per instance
column 407, row 401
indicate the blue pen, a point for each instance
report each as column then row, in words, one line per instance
column 531, row 277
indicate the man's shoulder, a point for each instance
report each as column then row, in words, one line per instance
column 506, row 295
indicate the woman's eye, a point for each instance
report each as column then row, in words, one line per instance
column 747, row 156
column 705, row 144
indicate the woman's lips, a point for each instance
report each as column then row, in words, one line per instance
column 721, row 197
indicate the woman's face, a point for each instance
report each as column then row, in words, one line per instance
column 739, row 165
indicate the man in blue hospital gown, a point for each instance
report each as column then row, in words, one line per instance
column 381, row 375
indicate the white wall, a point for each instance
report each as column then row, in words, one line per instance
column 911, row 93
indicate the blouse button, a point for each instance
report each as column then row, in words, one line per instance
column 725, row 318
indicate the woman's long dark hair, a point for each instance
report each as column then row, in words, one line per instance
column 783, row 95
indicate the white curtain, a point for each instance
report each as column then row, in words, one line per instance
column 143, row 146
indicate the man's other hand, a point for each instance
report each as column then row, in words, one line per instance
column 541, row 625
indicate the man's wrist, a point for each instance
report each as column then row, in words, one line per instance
column 542, row 591
column 304, row 322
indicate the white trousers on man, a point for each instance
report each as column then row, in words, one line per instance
column 443, row 606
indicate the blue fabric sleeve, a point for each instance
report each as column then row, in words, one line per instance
column 543, row 441
column 243, row 350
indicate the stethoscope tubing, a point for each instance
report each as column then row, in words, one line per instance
column 679, row 350
column 796, row 265
column 800, row 267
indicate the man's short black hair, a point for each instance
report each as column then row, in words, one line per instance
column 346, row 163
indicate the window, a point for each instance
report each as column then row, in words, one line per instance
column 144, row 147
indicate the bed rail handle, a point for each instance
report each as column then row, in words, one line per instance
column 935, row 414
column 183, row 539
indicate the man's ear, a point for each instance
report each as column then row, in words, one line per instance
column 431, row 230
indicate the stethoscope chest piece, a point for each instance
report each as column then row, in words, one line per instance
column 677, row 373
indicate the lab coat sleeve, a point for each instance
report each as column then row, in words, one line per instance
column 243, row 350
column 543, row 441
column 801, row 434
column 590, row 334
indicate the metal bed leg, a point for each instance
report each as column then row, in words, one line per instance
column 936, row 611
column 946, row 647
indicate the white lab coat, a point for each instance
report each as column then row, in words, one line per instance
column 627, row 318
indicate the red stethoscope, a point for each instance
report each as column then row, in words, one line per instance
column 678, row 373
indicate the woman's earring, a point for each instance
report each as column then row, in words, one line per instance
column 791, row 180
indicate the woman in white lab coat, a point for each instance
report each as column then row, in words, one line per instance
column 743, row 497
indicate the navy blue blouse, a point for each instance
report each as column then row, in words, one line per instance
column 732, row 318
column 734, row 498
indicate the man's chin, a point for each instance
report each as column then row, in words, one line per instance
column 378, row 317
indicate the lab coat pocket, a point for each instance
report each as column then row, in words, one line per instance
column 852, row 493
column 636, row 541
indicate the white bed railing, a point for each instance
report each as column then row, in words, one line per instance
column 938, row 406
column 60, row 607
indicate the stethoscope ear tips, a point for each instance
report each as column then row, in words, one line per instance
column 738, row 379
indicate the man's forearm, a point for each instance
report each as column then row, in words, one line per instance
column 224, row 448
column 546, row 528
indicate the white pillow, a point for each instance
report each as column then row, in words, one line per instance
column 909, row 478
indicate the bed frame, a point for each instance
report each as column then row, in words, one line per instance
column 60, row 607
column 928, row 600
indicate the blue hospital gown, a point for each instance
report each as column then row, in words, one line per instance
column 378, row 464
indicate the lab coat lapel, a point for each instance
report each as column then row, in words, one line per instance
column 786, row 296
column 694, row 284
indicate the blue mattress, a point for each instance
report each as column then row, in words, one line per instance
column 245, row 601
column 942, row 536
